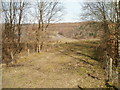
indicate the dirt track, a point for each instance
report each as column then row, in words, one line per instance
column 62, row 67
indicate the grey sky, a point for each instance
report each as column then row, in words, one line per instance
column 72, row 11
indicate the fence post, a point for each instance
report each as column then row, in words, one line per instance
column 107, row 63
column 28, row 52
column 111, row 60
column 39, row 48
column 11, row 53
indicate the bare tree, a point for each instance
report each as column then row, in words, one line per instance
column 13, row 15
column 105, row 12
column 46, row 12
column 108, row 14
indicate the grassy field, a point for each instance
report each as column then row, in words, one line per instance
column 69, row 65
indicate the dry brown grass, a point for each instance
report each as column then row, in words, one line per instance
column 66, row 66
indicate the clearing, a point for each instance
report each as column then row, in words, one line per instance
column 68, row 65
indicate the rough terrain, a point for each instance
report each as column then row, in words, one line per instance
column 69, row 65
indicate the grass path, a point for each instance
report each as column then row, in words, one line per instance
column 67, row 66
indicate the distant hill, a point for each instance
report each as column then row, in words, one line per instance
column 80, row 30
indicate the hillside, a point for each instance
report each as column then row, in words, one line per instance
column 69, row 62
column 69, row 65
column 80, row 30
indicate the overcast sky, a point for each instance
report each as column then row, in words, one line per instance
column 72, row 11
